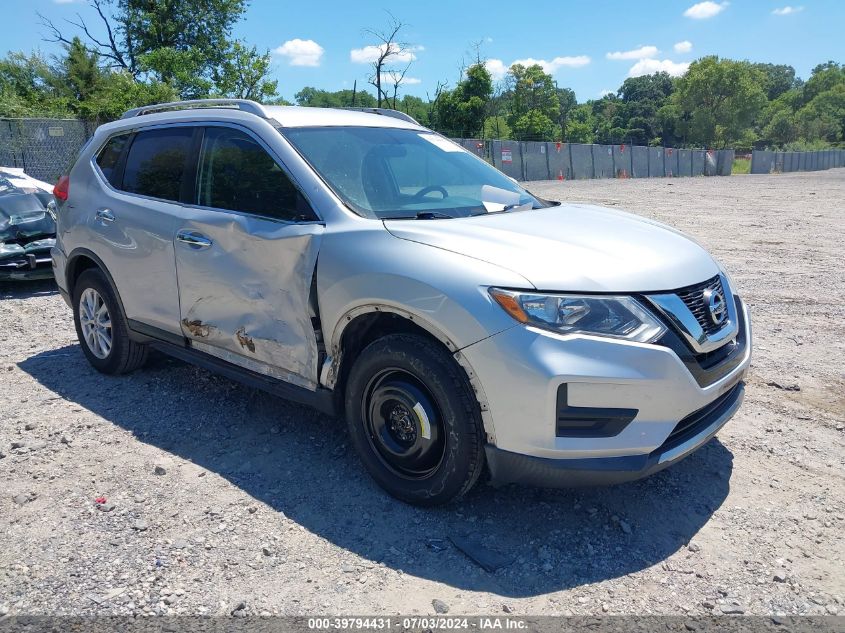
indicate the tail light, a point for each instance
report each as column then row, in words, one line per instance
column 62, row 188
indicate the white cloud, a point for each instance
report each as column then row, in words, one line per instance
column 606, row 92
column 496, row 68
column 704, row 10
column 371, row 53
column 552, row 66
column 387, row 78
column 651, row 66
column 301, row 52
column 683, row 47
column 787, row 10
column 642, row 52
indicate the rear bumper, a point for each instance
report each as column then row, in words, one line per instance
column 699, row 427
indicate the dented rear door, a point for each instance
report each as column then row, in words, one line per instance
column 245, row 261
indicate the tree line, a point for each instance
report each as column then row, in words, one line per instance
column 159, row 51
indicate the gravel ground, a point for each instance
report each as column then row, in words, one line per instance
column 222, row 500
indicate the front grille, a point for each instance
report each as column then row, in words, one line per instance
column 693, row 298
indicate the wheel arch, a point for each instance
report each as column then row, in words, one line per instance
column 82, row 259
column 364, row 324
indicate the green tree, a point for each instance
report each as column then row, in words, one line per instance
column 186, row 43
column 777, row 79
column 823, row 118
column 28, row 87
column 243, row 74
column 533, row 102
column 119, row 91
column 461, row 111
column 581, row 127
column 566, row 103
column 642, row 97
column 80, row 71
column 719, row 100
column 318, row 98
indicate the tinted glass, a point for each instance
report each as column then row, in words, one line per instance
column 237, row 174
column 110, row 155
column 407, row 173
column 156, row 162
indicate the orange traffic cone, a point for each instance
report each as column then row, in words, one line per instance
column 560, row 175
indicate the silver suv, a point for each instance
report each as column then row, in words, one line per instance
column 363, row 264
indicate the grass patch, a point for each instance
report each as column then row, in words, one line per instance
column 741, row 166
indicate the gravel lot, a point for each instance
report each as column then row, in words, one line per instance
column 220, row 499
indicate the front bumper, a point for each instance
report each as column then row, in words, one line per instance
column 523, row 369
column 27, row 262
column 507, row 467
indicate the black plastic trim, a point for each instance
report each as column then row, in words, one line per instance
column 712, row 366
column 144, row 333
column 589, row 421
column 321, row 399
column 176, row 346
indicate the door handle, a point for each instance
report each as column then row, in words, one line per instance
column 105, row 216
column 193, row 239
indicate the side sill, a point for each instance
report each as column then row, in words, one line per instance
column 173, row 345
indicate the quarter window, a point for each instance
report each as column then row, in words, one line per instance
column 237, row 174
column 110, row 155
column 156, row 162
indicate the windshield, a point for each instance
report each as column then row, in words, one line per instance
column 391, row 173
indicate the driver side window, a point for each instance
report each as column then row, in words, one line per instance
column 236, row 173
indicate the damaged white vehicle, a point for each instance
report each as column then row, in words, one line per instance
column 27, row 226
column 363, row 264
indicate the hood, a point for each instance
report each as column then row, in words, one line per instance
column 572, row 247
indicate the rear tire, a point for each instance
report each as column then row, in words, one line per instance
column 414, row 421
column 101, row 326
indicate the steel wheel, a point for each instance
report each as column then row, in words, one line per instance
column 95, row 321
column 403, row 424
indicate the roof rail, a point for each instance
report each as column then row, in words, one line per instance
column 396, row 114
column 246, row 105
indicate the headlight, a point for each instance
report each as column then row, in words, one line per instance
column 614, row 316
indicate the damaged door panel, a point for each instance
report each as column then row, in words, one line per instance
column 246, row 296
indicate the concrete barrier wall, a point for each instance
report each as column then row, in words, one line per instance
column 560, row 166
column 603, row 165
column 698, row 162
column 535, row 161
column 639, row 161
column 684, row 162
column 507, row 158
column 768, row 162
column 656, row 167
column 581, row 161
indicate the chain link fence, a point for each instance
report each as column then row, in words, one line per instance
column 46, row 148
column 771, row 162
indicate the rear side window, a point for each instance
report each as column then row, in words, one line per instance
column 109, row 157
column 156, row 162
column 236, row 173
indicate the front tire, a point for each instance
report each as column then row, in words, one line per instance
column 102, row 328
column 414, row 421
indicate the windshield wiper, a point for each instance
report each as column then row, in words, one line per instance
column 423, row 215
